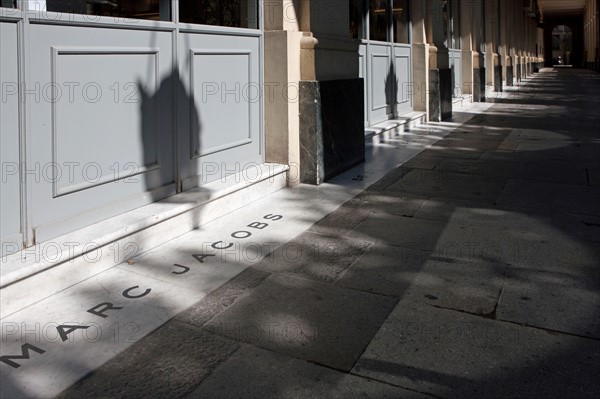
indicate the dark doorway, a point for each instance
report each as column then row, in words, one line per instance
column 562, row 46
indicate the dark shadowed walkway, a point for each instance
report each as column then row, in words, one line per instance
column 471, row 271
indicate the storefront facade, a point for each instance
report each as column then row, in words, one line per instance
column 109, row 106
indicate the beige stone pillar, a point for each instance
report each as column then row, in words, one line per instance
column 283, row 39
column 519, row 38
column 472, row 57
column 440, row 76
column 492, row 61
column 420, row 57
column 466, row 38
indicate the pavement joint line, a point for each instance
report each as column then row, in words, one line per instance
column 396, row 386
column 525, row 325
column 587, row 176
column 397, row 297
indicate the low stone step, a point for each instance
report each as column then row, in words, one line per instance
column 383, row 131
column 35, row 273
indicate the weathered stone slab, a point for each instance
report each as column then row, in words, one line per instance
column 264, row 374
column 448, row 184
column 169, row 363
column 306, row 319
column 314, row 256
column 220, row 299
column 452, row 354
column 551, row 196
column 554, row 301
column 472, row 287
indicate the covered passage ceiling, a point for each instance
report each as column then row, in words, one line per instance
column 551, row 8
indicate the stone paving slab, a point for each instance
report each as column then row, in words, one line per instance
column 384, row 269
column 472, row 287
column 257, row 373
column 343, row 219
column 447, row 152
column 392, row 204
column 400, row 231
column 554, row 301
column 474, row 144
column 551, row 196
column 574, row 155
column 593, row 176
column 314, row 256
column 550, row 225
column 452, row 241
column 169, row 363
column 448, row 184
column 223, row 297
column 555, row 171
column 467, row 286
column 481, row 133
column 423, row 162
column 451, row 354
column 306, row 319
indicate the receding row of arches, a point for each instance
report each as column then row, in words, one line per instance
column 563, row 42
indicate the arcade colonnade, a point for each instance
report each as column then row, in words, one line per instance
column 111, row 106
column 413, row 56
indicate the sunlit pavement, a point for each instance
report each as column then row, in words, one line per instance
column 470, row 271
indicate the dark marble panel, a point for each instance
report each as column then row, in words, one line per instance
column 435, row 105
column 312, row 169
column 446, row 93
column 498, row 78
column 331, row 128
column 509, row 75
column 342, row 110
column 479, row 84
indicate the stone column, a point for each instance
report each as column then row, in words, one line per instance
column 504, row 46
column 518, row 26
column 282, row 36
column 440, row 75
column 308, row 49
column 478, row 48
column 472, row 57
column 420, row 57
column 466, row 38
column 492, row 63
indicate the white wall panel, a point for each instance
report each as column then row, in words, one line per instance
column 10, row 196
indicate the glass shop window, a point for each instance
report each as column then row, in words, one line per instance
column 158, row 10
column 7, row 3
column 400, row 16
column 455, row 24
column 357, row 17
column 378, row 20
column 231, row 13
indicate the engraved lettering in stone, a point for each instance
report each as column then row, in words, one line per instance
column 127, row 294
column 25, row 348
column 184, row 271
column 200, row 257
column 64, row 330
column 99, row 310
column 258, row 226
column 217, row 246
column 241, row 234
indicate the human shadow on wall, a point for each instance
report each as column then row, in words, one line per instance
column 171, row 134
column 169, row 106
column 391, row 90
